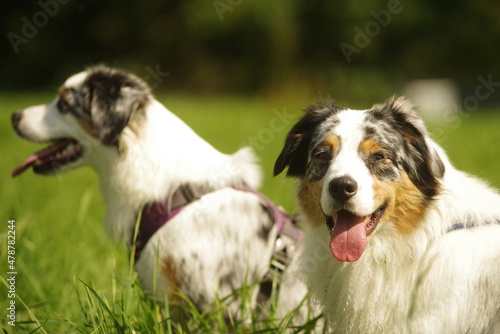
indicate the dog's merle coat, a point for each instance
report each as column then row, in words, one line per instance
column 399, row 241
column 109, row 120
column 401, row 135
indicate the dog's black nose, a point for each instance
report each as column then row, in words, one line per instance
column 16, row 118
column 342, row 188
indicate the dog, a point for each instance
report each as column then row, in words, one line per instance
column 205, row 231
column 397, row 239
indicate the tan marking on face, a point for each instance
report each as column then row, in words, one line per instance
column 406, row 204
column 84, row 122
column 369, row 145
column 310, row 202
column 63, row 98
column 62, row 93
column 333, row 141
column 87, row 126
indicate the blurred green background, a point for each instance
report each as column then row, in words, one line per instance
column 239, row 72
column 350, row 50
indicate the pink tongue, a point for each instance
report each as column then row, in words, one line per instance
column 40, row 155
column 348, row 240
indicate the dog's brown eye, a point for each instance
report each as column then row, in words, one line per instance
column 322, row 153
column 378, row 156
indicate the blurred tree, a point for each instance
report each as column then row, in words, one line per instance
column 239, row 46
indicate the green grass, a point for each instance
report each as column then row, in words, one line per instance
column 73, row 278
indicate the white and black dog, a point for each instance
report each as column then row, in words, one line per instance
column 204, row 231
column 398, row 240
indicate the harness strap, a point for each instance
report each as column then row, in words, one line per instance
column 463, row 225
column 289, row 237
column 155, row 215
column 288, row 240
column 459, row 226
column 280, row 218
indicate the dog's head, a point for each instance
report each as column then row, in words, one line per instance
column 91, row 109
column 361, row 169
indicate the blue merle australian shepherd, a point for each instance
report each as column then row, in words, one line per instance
column 205, row 231
column 399, row 240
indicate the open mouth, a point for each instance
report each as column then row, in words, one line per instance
column 349, row 232
column 51, row 159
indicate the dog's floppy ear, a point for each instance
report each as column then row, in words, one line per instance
column 421, row 161
column 293, row 155
column 296, row 149
column 112, row 98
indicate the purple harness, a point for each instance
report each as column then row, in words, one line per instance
column 155, row 215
